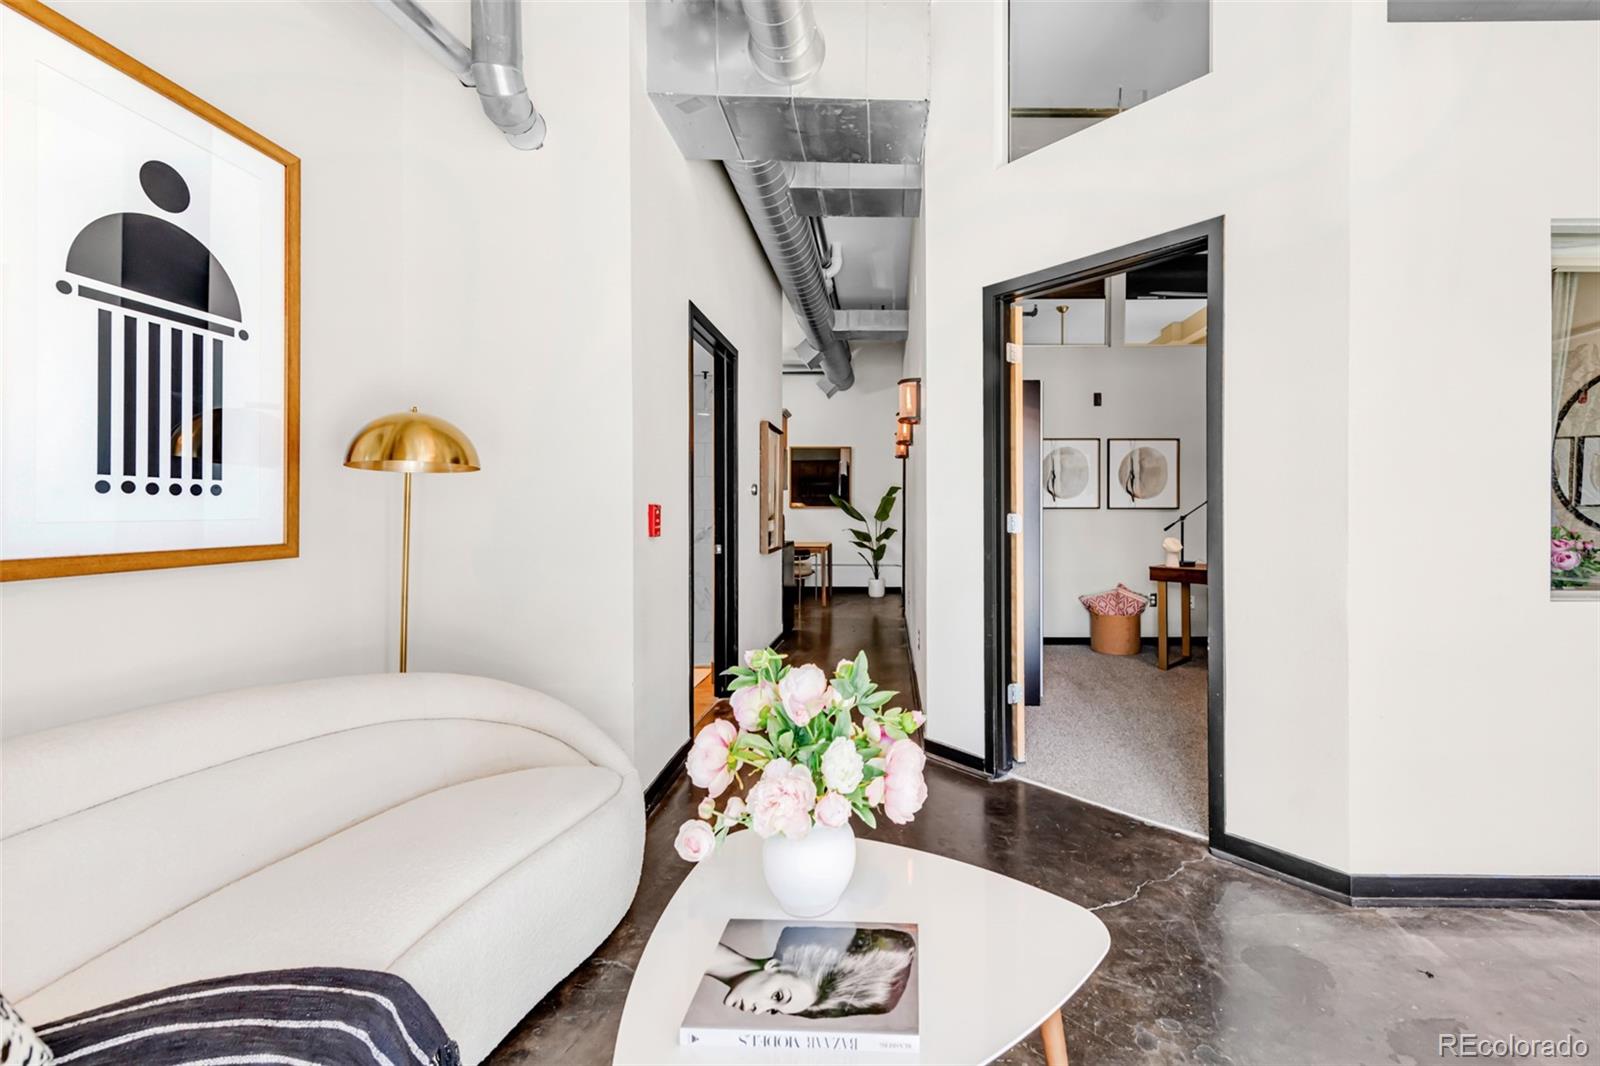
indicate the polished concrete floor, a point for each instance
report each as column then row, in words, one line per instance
column 1209, row 963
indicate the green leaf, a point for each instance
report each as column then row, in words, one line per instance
column 886, row 533
column 864, row 813
column 844, row 505
column 879, row 552
column 886, row 505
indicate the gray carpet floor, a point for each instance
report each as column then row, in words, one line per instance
column 1116, row 731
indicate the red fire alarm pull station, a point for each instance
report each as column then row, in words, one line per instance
column 653, row 519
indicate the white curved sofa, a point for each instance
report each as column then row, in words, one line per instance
column 476, row 838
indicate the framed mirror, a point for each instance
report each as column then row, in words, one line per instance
column 818, row 473
column 771, row 488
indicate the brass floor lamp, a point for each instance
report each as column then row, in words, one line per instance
column 410, row 443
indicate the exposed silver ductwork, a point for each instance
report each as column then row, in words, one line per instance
column 497, row 72
column 744, row 82
column 493, row 65
column 785, row 44
column 791, row 248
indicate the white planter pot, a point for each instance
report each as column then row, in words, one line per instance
column 875, row 588
column 807, row 876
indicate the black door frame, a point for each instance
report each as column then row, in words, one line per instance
column 997, row 543
column 724, row 480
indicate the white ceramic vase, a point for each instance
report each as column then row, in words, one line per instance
column 875, row 588
column 809, row 875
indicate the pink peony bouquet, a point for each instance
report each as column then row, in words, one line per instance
column 826, row 748
column 1574, row 560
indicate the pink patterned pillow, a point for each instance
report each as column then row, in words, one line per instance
column 1120, row 602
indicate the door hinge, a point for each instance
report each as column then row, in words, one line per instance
column 716, row 549
column 1013, row 352
column 1013, row 693
column 1013, row 522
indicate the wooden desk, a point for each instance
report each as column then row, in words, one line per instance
column 1185, row 577
column 822, row 551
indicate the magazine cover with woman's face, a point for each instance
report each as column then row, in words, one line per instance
column 835, row 977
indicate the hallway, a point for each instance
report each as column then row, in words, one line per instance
column 1210, row 962
column 851, row 622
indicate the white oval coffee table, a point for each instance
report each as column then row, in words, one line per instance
column 997, row 958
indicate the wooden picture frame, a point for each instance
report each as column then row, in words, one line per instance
column 802, row 491
column 175, row 340
column 773, row 467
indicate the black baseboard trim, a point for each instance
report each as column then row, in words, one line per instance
column 1375, row 890
column 1147, row 642
column 1305, row 873
column 657, row 789
column 1370, row 890
column 955, row 757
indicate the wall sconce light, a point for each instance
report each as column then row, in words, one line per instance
column 910, row 400
column 902, row 434
column 902, row 450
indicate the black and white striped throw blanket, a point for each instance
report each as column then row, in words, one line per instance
column 310, row 1017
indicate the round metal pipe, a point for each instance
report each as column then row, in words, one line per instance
column 785, row 44
column 497, row 72
column 786, row 237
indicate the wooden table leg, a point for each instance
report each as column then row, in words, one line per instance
column 1054, row 1035
column 1183, row 612
column 1161, row 624
column 827, row 574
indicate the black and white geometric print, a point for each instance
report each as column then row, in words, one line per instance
column 131, row 268
column 19, row 1045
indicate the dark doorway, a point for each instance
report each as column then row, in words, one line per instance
column 1008, row 475
column 713, row 513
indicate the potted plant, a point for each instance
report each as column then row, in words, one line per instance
column 822, row 750
column 872, row 543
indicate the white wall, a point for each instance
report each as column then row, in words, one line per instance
column 1475, row 719
column 1276, row 164
column 914, row 503
column 1145, row 392
column 862, row 418
column 690, row 241
column 539, row 300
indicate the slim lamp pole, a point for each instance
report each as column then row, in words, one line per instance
column 410, row 442
column 405, row 576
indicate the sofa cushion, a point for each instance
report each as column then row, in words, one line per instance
column 361, row 898
column 171, row 843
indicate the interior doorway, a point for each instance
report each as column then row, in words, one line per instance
column 1103, row 416
column 714, row 514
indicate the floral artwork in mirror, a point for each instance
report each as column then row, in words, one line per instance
column 817, row 474
column 1575, row 411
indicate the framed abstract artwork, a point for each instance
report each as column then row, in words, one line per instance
column 149, row 363
column 1069, row 473
column 1142, row 474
